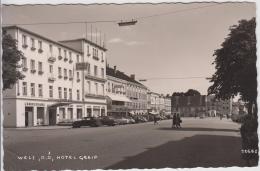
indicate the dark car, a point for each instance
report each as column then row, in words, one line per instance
column 109, row 121
column 87, row 121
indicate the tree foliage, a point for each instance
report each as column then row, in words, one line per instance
column 10, row 58
column 190, row 92
column 235, row 64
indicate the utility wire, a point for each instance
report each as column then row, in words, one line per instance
column 115, row 20
column 172, row 78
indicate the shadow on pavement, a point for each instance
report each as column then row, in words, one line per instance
column 196, row 151
column 197, row 129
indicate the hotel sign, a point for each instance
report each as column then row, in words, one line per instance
column 34, row 104
column 82, row 65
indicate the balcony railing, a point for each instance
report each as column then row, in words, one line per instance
column 70, row 78
column 95, row 78
column 33, row 48
column 66, row 59
column 40, row 72
column 96, row 58
column 95, row 96
column 70, row 61
column 40, row 50
column 78, row 80
column 33, row 70
column 24, row 46
column 25, row 69
column 51, row 59
column 65, row 77
column 60, row 57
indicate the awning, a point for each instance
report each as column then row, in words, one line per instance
column 118, row 98
column 60, row 104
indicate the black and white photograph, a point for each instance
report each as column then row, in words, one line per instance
column 129, row 85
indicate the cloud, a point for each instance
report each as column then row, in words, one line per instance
column 115, row 40
column 133, row 43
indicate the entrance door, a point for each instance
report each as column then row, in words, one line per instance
column 79, row 113
column 70, row 113
column 28, row 116
column 52, row 116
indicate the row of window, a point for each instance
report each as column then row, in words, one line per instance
column 60, row 50
column 134, row 105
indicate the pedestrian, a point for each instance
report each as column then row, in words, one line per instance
column 154, row 120
column 174, row 120
column 178, row 121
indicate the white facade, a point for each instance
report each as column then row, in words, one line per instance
column 53, row 90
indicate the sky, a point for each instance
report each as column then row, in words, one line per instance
column 177, row 45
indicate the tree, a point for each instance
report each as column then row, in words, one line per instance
column 235, row 65
column 190, row 92
column 11, row 56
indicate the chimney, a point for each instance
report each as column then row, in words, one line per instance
column 115, row 69
column 132, row 76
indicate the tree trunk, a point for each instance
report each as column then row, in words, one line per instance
column 250, row 105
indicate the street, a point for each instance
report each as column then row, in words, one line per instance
column 208, row 142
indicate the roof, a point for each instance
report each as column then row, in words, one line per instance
column 40, row 36
column 87, row 41
column 121, row 75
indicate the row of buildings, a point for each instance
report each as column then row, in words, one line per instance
column 70, row 79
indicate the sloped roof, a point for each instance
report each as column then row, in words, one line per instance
column 121, row 75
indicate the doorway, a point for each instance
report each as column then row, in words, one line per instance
column 28, row 116
column 52, row 116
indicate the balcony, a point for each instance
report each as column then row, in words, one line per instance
column 33, row 70
column 88, row 54
column 33, row 48
column 25, row 69
column 65, row 77
column 78, row 80
column 60, row 76
column 66, row 59
column 96, row 58
column 102, row 60
column 91, row 77
column 51, row 59
column 40, row 72
column 60, row 57
column 71, row 78
column 24, row 46
column 40, row 50
column 70, row 61
column 95, row 96
column 51, row 78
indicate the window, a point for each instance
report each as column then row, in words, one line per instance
column 51, row 91
column 65, row 54
column 60, row 92
column 40, row 44
column 89, row 72
column 32, row 64
column 102, row 72
column 89, row 87
column 95, row 70
column 77, row 58
column 65, row 93
column 65, row 73
column 24, row 62
column 40, row 93
column 51, row 49
column 108, row 87
column 103, row 89
column 59, row 51
column 32, row 43
column 24, row 40
column 32, row 89
column 88, row 49
column 102, row 56
column 24, row 88
column 59, row 71
column 96, row 85
column 70, row 73
column 51, row 68
column 78, row 96
column 70, row 94
column 70, row 56
column 40, row 66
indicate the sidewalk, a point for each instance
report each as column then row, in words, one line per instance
column 40, row 128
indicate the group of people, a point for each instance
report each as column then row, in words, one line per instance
column 176, row 121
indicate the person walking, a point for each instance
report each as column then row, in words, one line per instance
column 178, row 121
column 155, row 120
column 174, row 120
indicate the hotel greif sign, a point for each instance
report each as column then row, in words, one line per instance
column 34, row 104
column 82, row 65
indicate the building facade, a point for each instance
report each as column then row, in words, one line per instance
column 167, row 105
column 216, row 107
column 55, row 88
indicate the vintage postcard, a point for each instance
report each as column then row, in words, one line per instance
column 129, row 85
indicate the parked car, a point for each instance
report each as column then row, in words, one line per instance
column 122, row 121
column 109, row 121
column 130, row 120
column 87, row 121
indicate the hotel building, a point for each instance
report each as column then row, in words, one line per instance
column 64, row 81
